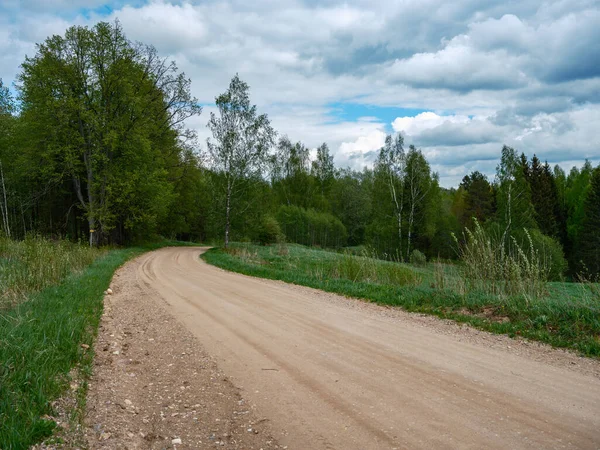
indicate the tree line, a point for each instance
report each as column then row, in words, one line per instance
column 95, row 148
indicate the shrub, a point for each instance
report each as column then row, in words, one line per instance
column 269, row 231
column 549, row 250
column 417, row 258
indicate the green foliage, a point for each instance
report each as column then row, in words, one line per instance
column 103, row 117
column 32, row 264
column 515, row 210
column 544, row 196
column 578, row 184
column 240, row 145
column 323, row 169
column 549, row 250
column 588, row 237
column 500, row 265
column 351, row 202
column 270, row 231
column 309, row 227
column 369, row 269
column 40, row 341
column 417, row 258
column 478, row 199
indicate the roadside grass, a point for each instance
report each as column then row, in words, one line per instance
column 41, row 341
column 567, row 315
column 34, row 263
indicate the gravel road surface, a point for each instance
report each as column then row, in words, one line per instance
column 318, row 371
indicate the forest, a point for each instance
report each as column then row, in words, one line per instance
column 94, row 148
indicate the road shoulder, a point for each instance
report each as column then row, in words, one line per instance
column 154, row 386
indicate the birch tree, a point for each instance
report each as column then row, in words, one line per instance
column 515, row 209
column 323, row 169
column 6, row 125
column 418, row 183
column 392, row 163
column 241, row 142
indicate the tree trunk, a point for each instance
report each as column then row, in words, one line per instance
column 227, row 213
column 93, row 232
column 410, row 225
column 399, row 207
column 5, row 209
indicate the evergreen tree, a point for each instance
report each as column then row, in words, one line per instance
column 578, row 184
column 588, row 244
column 544, row 197
column 478, row 199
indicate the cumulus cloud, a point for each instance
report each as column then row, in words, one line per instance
column 521, row 73
column 362, row 151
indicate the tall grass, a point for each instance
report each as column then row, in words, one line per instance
column 498, row 265
column 41, row 338
column 32, row 264
column 366, row 268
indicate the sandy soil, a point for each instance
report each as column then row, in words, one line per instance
column 188, row 351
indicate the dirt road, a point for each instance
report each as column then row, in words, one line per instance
column 330, row 372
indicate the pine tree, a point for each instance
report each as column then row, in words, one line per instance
column 544, row 197
column 478, row 198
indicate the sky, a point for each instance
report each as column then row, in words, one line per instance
column 457, row 78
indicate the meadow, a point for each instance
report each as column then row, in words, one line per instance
column 562, row 314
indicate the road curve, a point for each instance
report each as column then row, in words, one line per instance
column 329, row 374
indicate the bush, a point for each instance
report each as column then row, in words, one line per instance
column 417, row 258
column 269, row 231
column 549, row 250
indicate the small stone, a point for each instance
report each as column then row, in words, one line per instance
column 116, row 352
column 109, row 291
column 85, row 346
column 128, row 402
column 176, row 441
column 105, row 436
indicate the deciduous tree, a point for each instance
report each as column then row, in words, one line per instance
column 241, row 142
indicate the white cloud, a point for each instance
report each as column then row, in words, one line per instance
column 172, row 28
column 521, row 73
column 361, row 152
column 424, row 121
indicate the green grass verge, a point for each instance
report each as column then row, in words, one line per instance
column 40, row 342
column 565, row 318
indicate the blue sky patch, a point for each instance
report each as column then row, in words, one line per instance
column 351, row 112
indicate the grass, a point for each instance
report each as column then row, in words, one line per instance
column 568, row 315
column 32, row 264
column 41, row 339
